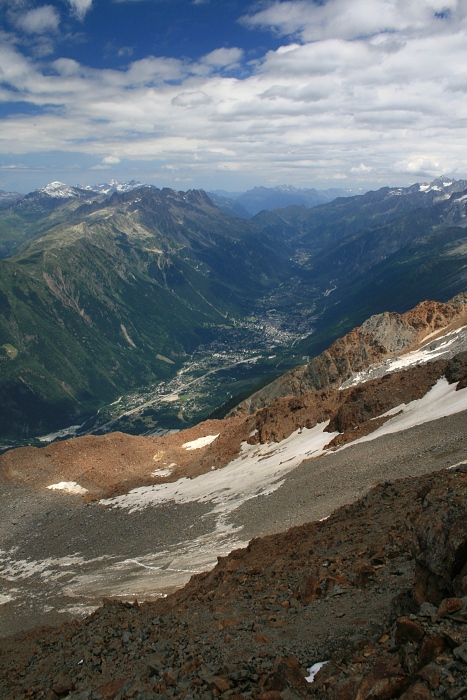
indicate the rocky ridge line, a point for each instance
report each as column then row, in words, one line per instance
column 382, row 336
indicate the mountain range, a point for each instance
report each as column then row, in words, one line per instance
column 106, row 290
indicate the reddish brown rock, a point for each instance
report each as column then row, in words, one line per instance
column 309, row 590
column 431, row 646
column 63, row 685
column 220, row 683
column 364, row 573
column 287, row 673
column 431, row 674
column 408, row 630
column 418, row 691
column 449, row 606
column 386, row 680
column 110, row 690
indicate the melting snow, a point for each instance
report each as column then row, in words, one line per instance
column 257, row 471
column 69, row 486
column 442, row 400
column 5, row 599
column 260, row 469
column 200, row 442
column 162, row 472
column 13, row 570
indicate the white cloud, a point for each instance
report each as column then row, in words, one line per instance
column 361, row 169
column 80, row 7
column 191, row 99
column 40, row 20
column 351, row 19
column 420, row 165
column 223, row 58
column 339, row 105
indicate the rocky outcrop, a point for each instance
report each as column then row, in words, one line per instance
column 423, row 654
column 381, row 336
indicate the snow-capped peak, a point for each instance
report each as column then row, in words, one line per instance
column 115, row 186
column 58, row 189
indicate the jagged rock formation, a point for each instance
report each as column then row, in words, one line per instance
column 380, row 337
column 250, row 627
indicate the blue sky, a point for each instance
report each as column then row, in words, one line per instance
column 228, row 94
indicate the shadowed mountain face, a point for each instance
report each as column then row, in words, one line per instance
column 89, row 308
column 104, row 292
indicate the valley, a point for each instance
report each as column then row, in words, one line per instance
column 243, row 356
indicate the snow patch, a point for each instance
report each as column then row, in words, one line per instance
column 68, row 486
column 200, row 442
column 313, row 670
column 5, row 599
column 426, row 353
column 14, row 570
column 442, row 400
column 59, row 190
column 162, row 472
column 257, row 471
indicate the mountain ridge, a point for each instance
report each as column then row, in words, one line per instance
column 378, row 338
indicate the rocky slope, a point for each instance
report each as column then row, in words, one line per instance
column 378, row 589
column 380, row 337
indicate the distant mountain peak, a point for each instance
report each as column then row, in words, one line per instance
column 443, row 184
column 58, row 189
column 116, row 186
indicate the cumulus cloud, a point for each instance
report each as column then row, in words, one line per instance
column 40, row 20
column 80, row 7
column 361, row 169
column 111, row 160
column 223, row 58
column 421, row 165
column 353, row 19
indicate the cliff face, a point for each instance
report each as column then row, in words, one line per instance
column 380, row 337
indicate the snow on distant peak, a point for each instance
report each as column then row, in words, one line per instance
column 115, row 186
column 58, row 189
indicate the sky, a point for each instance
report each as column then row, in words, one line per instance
column 230, row 94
